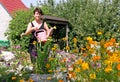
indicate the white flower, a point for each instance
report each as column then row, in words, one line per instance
column 29, row 68
column 6, row 55
column 20, row 74
column 20, row 67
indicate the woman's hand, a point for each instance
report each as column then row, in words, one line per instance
column 22, row 34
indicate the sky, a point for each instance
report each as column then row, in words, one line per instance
column 28, row 2
column 34, row 2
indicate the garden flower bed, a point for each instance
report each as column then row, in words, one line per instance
column 96, row 61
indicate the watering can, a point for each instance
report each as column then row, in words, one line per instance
column 41, row 35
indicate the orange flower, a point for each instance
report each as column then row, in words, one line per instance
column 113, row 40
column 60, row 80
column 21, row 80
column 118, row 60
column 95, row 58
column 64, row 60
column 87, row 46
column 109, row 53
column 92, row 50
column 92, row 42
column 31, row 80
column 82, row 49
column 118, row 73
column 71, row 74
column 118, row 66
column 85, row 54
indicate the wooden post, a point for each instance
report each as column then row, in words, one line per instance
column 67, row 30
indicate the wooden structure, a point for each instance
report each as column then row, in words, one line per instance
column 56, row 21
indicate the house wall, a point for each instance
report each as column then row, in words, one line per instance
column 4, row 22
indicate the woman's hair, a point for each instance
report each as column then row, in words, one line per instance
column 38, row 10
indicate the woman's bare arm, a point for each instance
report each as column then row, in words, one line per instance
column 46, row 28
column 29, row 30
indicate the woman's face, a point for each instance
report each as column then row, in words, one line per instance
column 37, row 15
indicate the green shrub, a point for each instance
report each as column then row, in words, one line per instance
column 18, row 25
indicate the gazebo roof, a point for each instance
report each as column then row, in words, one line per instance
column 54, row 20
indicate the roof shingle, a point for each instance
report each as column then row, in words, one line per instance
column 13, row 5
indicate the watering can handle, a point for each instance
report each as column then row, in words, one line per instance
column 35, row 34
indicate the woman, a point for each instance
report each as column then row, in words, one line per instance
column 36, row 24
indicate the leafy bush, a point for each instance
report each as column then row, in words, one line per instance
column 18, row 25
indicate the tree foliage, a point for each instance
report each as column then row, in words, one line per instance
column 86, row 18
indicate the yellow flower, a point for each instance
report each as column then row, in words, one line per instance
column 85, row 66
column 55, row 46
column 34, row 42
column 107, row 62
column 75, row 40
column 67, row 48
column 93, row 76
column 99, row 33
column 89, row 38
column 47, row 65
column 108, row 69
column 75, row 50
column 53, row 49
column 54, row 27
column 64, row 39
column 77, row 70
column 113, row 58
column 13, row 78
column 50, row 59
column 49, row 71
column 49, row 78
column 63, row 69
column 79, row 61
